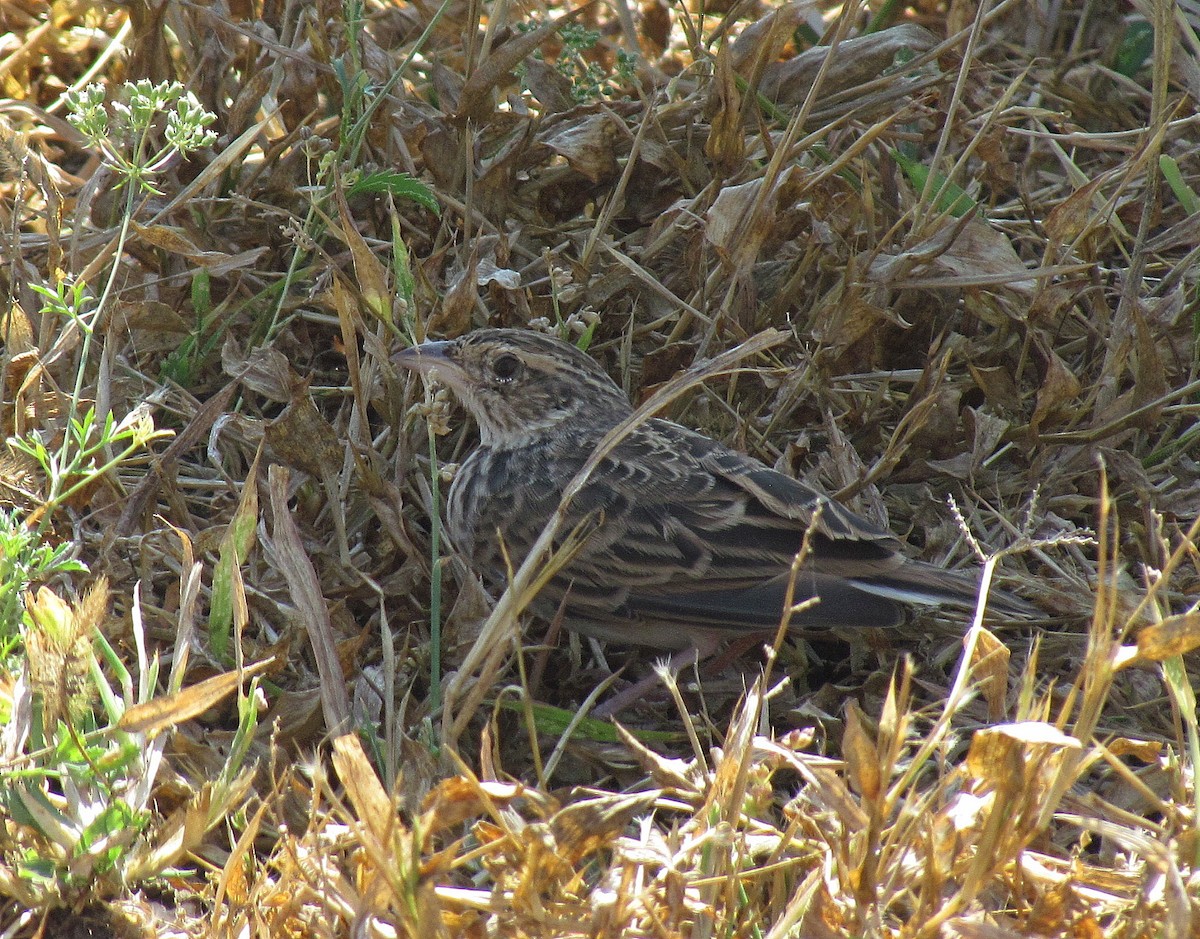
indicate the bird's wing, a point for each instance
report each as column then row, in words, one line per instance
column 683, row 534
column 845, row 545
column 689, row 530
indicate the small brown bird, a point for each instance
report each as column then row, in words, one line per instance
column 687, row 542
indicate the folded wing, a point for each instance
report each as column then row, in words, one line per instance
column 707, row 539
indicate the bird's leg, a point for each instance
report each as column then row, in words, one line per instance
column 638, row 690
column 704, row 650
column 735, row 649
column 551, row 640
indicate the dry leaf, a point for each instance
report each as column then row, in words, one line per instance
column 1148, row 751
column 737, row 229
column 861, row 755
column 1074, row 215
column 311, row 608
column 726, row 144
column 453, row 316
column 997, row 385
column 173, row 240
column 16, row 330
column 989, row 662
column 303, row 439
column 1150, row 371
column 1059, row 392
column 456, row 799
column 550, row 86
column 370, row 276
column 997, row 754
column 982, row 252
column 763, row 40
column 265, row 371
column 1037, row 733
column 163, row 713
column 585, row 827
column 841, row 322
column 475, row 102
column 856, row 61
column 372, row 805
column 1175, row 635
column 589, row 146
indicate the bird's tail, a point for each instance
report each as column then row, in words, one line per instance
column 918, row 582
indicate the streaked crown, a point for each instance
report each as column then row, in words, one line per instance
column 519, row 384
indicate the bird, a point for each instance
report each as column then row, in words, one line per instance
column 682, row 541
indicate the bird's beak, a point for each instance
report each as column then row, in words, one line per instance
column 426, row 357
column 432, row 357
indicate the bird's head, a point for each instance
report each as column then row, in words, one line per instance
column 519, row 384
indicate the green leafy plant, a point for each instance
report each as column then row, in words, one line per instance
column 85, row 453
column 1135, row 50
column 81, row 792
column 400, row 185
column 139, row 133
column 25, row 559
column 589, row 81
column 122, row 130
column 949, row 196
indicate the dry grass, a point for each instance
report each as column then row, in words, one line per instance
column 975, row 232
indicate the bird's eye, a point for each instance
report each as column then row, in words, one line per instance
column 505, row 366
